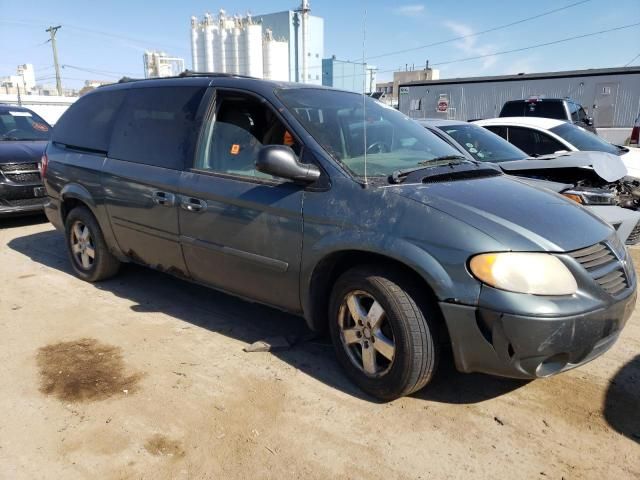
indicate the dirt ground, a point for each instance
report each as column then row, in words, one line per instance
column 144, row 376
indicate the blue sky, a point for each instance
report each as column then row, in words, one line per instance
column 111, row 36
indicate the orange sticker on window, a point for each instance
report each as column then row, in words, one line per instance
column 40, row 127
column 288, row 139
column 235, row 149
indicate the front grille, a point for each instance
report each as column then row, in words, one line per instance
column 634, row 236
column 603, row 265
column 26, row 202
column 21, row 172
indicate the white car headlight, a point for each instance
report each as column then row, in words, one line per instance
column 534, row 273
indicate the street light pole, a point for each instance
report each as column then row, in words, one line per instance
column 52, row 33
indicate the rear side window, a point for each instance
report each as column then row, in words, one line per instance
column 512, row 109
column 157, row 126
column 87, row 123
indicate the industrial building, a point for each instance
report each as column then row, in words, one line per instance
column 304, row 34
column 285, row 46
column 346, row 75
column 23, row 82
column 159, row 64
column 239, row 45
column 388, row 91
column 610, row 95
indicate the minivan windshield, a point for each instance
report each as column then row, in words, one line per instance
column 347, row 125
column 584, row 140
column 22, row 125
column 482, row 144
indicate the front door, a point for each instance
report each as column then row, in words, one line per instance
column 241, row 230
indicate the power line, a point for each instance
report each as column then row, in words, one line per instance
column 521, row 49
column 632, row 60
column 98, row 72
column 545, row 44
column 476, row 34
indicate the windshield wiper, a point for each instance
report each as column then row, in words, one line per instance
column 398, row 176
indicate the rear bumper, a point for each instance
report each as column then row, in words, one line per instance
column 52, row 211
column 527, row 347
column 19, row 199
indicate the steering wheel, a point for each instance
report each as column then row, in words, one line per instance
column 8, row 133
column 378, row 147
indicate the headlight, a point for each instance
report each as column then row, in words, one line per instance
column 591, row 197
column 534, row 273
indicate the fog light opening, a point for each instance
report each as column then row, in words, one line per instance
column 552, row 365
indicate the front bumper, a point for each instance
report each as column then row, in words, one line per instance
column 19, row 199
column 530, row 347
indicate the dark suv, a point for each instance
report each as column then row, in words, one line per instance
column 337, row 208
column 556, row 108
column 23, row 138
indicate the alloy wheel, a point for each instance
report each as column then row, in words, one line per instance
column 82, row 246
column 366, row 333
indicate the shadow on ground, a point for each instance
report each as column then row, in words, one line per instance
column 22, row 220
column 152, row 291
column 622, row 402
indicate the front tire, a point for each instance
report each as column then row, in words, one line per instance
column 387, row 343
column 90, row 257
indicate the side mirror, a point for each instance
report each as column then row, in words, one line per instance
column 280, row 161
column 589, row 121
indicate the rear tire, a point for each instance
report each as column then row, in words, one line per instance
column 390, row 347
column 88, row 252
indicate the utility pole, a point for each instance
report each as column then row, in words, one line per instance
column 52, row 32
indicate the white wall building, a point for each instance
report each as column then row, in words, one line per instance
column 305, row 36
column 24, row 80
column 159, row 64
column 238, row 45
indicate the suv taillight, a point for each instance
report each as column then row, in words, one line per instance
column 44, row 163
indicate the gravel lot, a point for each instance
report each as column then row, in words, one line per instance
column 144, row 376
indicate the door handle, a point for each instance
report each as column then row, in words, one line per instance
column 164, row 199
column 191, row 204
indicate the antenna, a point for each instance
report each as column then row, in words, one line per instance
column 364, row 87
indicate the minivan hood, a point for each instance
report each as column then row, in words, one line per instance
column 21, row 152
column 608, row 166
column 519, row 216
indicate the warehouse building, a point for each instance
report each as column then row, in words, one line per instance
column 610, row 95
column 346, row 75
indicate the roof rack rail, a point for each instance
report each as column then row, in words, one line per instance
column 189, row 73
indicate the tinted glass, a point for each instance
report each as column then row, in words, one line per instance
column 547, row 145
column 243, row 124
column 582, row 115
column 22, row 125
column 523, row 138
column 512, row 109
column 347, row 125
column 482, row 144
column 573, row 111
column 157, row 126
column 88, row 122
column 583, row 140
column 541, row 108
column 501, row 131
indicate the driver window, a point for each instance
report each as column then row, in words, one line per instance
column 241, row 127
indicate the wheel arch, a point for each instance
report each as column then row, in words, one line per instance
column 329, row 268
column 72, row 196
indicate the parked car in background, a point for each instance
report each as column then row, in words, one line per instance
column 388, row 237
column 543, row 136
column 570, row 174
column 556, row 108
column 23, row 138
